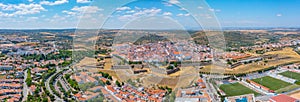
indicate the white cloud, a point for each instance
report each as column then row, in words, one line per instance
column 6, row 14
column 5, row 7
column 183, row 9
column 200, row 7
column 32, row 18
column 20, row 9
column 131, row 11
column 30, row 0
column 24, row 9
column 206, row 15
column 87, row 9
column 58, row 2
column 214, row 10
column 180, row 14
column 123, row 8
column 174, row 1
column 83, row 1
column 145, row 12
column 150, row 12
column 167, row 13
column 69, row 12
column 56, row 18
column 167, row 4
column 187, row 14
column 278, row 15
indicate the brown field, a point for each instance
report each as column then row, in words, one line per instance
column 110, row 72
column 2, row 77
column 26, row 43
column 93, row 38
column 187, row 75
column 87, row 61
column 286, row 52
column 108, row 63
column 182, row 78
column 295, row 95
column 286, row 33
column 253, row 31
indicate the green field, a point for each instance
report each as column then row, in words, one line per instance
column 290, row 74
column 236, row 89
column 271, row 83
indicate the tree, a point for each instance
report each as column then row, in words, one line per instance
column 109, row 77
column 118, row 83
column 170, row 67
column 107, row 82
column 229, row 62
column 175, row 64
column 28, row 79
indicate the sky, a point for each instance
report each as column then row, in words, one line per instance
column 155, row 14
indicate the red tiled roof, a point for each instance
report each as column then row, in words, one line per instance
column 282, row 98
column 78, row 95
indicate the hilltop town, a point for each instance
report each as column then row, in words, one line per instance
column 36, row 67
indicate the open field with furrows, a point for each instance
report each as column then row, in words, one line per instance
column 290, row 74
column 271, row 83
column 235, row 89
column 287, row 53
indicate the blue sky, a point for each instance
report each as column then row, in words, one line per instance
column 52, row 14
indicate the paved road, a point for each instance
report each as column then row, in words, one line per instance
column 47, row 84
column 63, row 84
column 25, row 87
column 56, row 86
column 64, row 81
column 211, row 90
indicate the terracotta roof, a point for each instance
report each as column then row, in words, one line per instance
column 282, row 98
column 78, row 95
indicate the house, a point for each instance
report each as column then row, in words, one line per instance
column 39, row 70
column 283, row 98
column 6, row 68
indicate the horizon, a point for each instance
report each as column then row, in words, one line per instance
column 223, row 28
column 65, row 14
